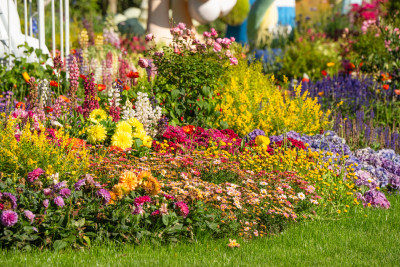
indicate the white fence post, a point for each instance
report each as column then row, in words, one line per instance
column 61, row 30
column 26, row 19
column 42, row 40
column 66, row 36
column 9, row 32
column 53, row 28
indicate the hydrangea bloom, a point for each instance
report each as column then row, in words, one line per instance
column 9, row 218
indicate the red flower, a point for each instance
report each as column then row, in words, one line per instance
column 20, row 105
column 101, row 87
column 54, row 83
column 385, row 87
column 132, row 75
column 352, row 66
column 82, row 76
column 48, row 109
column 1, row 206
column 188, row 129
column 323, row 72
column 397, row 92
column 126, row 88
column 182, row 118
column 305, row 80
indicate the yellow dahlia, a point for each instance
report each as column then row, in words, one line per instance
column 97, row 115
column 122, row 140
column 129, row 180
column 139, row 134
column 96, row 133
column 147, row 141
column 119, row 190
column 151, row 185
column 135, row 123
column 123, row 126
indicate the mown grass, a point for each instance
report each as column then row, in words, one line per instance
column 370, row 239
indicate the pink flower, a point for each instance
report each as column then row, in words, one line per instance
column 214, row 32
column 207, row 34
column 9, row 218
column 183, row 209
column 233, row 61
column 143, row 63
column 29, row 215
column 138, row 210
column 139, row 201
column 217, row 47
column 181, row 25
column 233, row 39
column 35, row 174
column 149, row 37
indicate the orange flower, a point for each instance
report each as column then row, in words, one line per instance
column 132, row 75
column 321, row 93
column 126, row 88
column 54, row 83
column 305, row 80
column 188, row 129
column 386, row 87
column 101, row 87
column 26, row 77
column 397, row 92
column 352, row 66
column 20, row 105
column 66, row 99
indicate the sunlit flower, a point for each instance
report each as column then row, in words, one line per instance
column 233, row 244
column 96, row 133
column 26, row 77
column 101, row 87
column 122, row 140
column 124, row 126
column 97, row 115
column 129, row 180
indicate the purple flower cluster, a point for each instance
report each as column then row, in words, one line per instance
column 252, row 136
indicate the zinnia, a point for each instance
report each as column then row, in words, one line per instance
column 9, row 218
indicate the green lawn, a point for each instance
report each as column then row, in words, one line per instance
column 372, row 240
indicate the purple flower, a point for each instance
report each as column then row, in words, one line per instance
column 46, row 203
column 65, row 192
column 59, row 201
column 138, row 210
column 29, row 215
column 376, row 199
column 104, row 194
column 35, row 174
column 79, row 184
column 139, row 201
column 9, row 218
column 60, row 185
column 10, row 197
column 182, row 208
column 47, row 191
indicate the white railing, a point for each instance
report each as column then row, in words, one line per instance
column 28, row 24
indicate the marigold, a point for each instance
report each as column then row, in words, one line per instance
column 120, row 190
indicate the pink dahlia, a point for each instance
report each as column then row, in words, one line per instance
column 182, row 208
column 9, row 218
column 35, row 174
column 29, row 215
column 139, row 201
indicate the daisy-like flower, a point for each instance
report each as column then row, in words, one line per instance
column 135, row 123
column 233, row 244
column 124, row 126
column 315, row 202
column 97, row 115
column 122, row 140
column 96, row 133
column 301, row 196
column 129, row 180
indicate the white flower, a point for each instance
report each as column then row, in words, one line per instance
column 314, row 201
column 263, row 183
column 55, row 178
column 263, row 192
column 301, row 196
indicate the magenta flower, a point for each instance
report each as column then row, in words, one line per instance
column 217, row 47
column 104, row 194
column 143, row 63
column 155, row 213
column 79, row 184
column 233, row 61
column 65, row 192
column 47, row 191
column 181, row 25
column 138, row 210
column 9, row 218
column 139, row 201
column 29, row 215
column 35, row 174
column 46, row 203
column 182, row 208
column 207, row 34
column 59, row 201
column 149, row 37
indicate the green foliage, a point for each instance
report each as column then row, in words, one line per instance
column 238, row 14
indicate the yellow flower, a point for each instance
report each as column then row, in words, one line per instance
column 147, row 141
column 96, row 133
column 119, row 190
column 129, row 180
column 139, row 134
column 135, row 123
column 330, row 64
column 124, row 126
column 97, row 115
column 262, row 141
column 122, row 140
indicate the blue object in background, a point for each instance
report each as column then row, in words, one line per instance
column 286, row 12
column 34, row 26
column 346, row 5
column 239, row 32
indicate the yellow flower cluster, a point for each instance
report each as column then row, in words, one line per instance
column 34, row 150
column 251, row 100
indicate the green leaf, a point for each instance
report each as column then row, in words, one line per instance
column 87, row 239
column 175, row 93
column 224, row 124
column 165, row 220
column 59, row 244
column 205, row 90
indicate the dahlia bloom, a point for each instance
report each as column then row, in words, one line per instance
column 9, row 218
column 183, row 209
column 59, row 201
column 35, row 174
column 104, row 194
column 139, row 201
column 29, row 215
column 65, row 193
column 79, row 184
